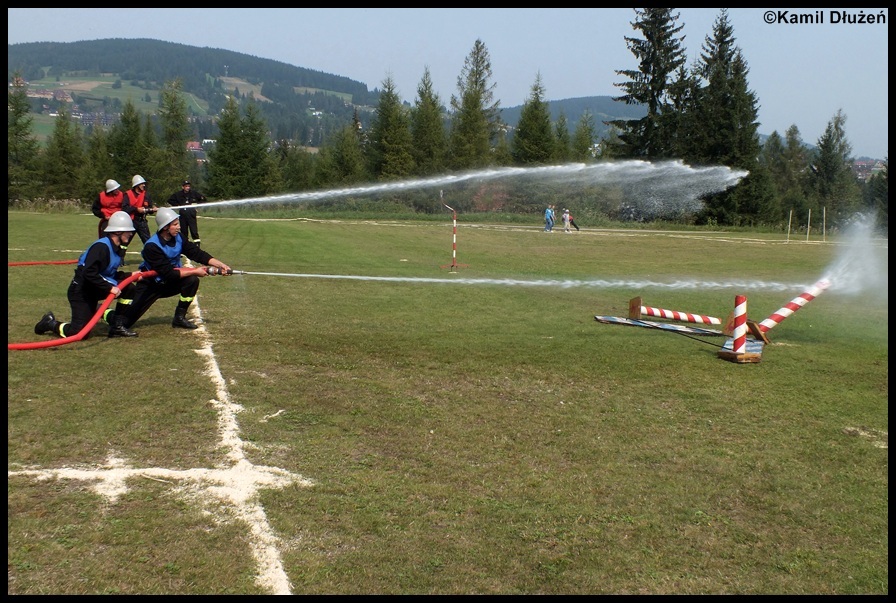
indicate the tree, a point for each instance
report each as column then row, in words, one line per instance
column 659, row 54
column 99, row 165
column 726, row 129
column 390, row 150
column 175, row 132
column 832, row 179
column 22, row 149
column 341, row 160
column 428, row 129
column 63, row 159
column 125, row 142
column 241, row 164
column 879, row 195
column 533, row 142
column 562, row 140
column 476, row 116
column 583, row 138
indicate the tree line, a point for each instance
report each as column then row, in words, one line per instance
column 702, row 114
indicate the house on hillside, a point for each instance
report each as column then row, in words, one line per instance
column 199, row 155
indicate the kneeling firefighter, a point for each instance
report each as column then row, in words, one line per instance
column 162, row 253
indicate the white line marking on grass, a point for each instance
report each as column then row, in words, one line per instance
column 235, row 483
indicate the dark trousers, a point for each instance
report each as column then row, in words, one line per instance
column 150, row 290
column 85, row 299
column 142, row 228
column 189, row 224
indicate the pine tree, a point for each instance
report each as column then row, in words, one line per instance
column 562, row 140
column 175, row 132
column 341, row 159
column 225, row 160
column 125, row 142
column 659, row 54
column 533, row 141
column 22, row 149
column 476, row 116
column 832, row 180
column 390, row 150
column 428, row 129
column 63, row 158
column 584, row 137
column 726, row 129
column 99, row 165
column 879, row 196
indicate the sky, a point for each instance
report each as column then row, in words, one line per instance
column 805, row 65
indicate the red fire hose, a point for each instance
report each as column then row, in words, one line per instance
column 96, row 318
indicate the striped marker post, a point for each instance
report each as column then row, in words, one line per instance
column 740, row 351
column 682, row 316
column 795, row 304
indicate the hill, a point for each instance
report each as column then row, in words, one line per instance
column 299, row 103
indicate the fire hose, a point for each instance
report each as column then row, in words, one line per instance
column 135, row 276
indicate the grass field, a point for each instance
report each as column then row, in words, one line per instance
column 354, row 417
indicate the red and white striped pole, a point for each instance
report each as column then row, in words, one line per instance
column 454, row 235
column 795, row 304
column 682, row 316
column 739, row 343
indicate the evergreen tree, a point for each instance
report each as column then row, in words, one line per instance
column 832, row 180
column 726, row 111
column 679, row 118
column 659, row 54
column 125, row 142
column 583, row 138
column 225, row 161
column 879, row 196
column 63, row 158
column 562, row 140
column 241, row 163
column 297, row 167
column 341, row 160
column 390, row 150
column 175, row 132
column 533, row 141
column 476, row 116
column 99, row 165
column 23, row 150
column 428, row 129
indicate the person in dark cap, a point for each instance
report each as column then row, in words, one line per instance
column 185, row 199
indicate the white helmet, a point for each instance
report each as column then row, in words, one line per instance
column 138, row 179
column 119, row 222
column 111, row 185
column 164, row 217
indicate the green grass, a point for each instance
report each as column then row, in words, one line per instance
column 484, row 436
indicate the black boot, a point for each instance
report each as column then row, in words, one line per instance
column 180, row 320
column 47, row 324
column 117, row 328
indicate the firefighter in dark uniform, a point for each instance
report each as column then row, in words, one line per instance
column 184, row 200
column 162, row 253
column 96, row 276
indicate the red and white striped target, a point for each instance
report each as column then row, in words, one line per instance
column 794, row 305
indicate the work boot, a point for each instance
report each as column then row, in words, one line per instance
column 180, row 321
column 117, row 328
column 47, row 324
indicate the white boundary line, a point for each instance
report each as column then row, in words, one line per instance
column 234, row 483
